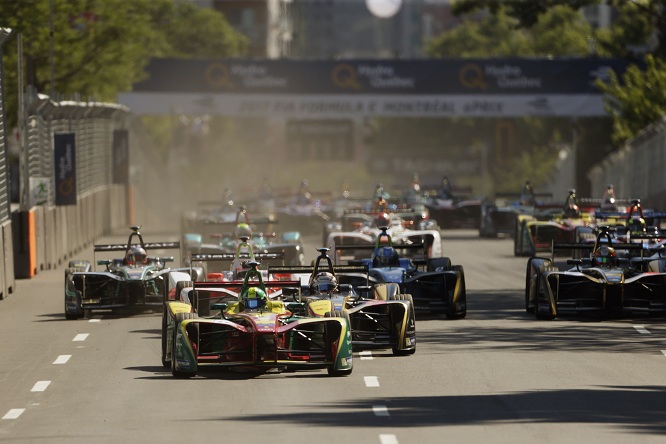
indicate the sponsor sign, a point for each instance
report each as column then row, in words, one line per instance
column 40, row 188
column 509, row 87
column 64, row 161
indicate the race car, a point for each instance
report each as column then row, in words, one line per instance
column 259, row 234
column 536, row 232
column 604, row 282
column 434, row 284
column 452, row 209
column 380, row 316
column 402, row 232
column 500, row 215
column 135, row 280
column 254, row 333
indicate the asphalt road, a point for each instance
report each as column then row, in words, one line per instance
column 497, row 376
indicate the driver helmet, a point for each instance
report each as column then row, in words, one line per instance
column 605, row 256
column 387, row 257
column 254, row 297
column 383, row 220
column 136, row 256
column 325, row 282
column 636, row 226
column 243, row 230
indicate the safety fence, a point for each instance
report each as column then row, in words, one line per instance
column 637, row 169
column 74, row 179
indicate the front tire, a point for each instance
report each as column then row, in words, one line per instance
column 177, row 373
column 452, row 312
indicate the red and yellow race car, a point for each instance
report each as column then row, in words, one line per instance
column 238, row 325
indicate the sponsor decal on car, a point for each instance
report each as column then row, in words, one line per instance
column 346, row 362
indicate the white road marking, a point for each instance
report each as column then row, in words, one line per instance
column 380, row 410
column 365, row 355
column 62, row 359
column 40, row 386
column 13, row 414
column 664, row 352
column 94, row 320
column 80, row 337
column 388, row 439
column 371, row 381
column 642, row 330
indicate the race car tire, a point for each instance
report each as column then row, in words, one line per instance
column 528, row 278
column 439, row 264
column 452, row 313
column 176, row 373
column 397, row 351
column 79, row 312
column 179, row 287
column 343, row 314
column 539, row 315
column 165, row 363
column 333, row 372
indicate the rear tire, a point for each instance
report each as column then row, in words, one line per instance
column 397, row 351
column 451, row 313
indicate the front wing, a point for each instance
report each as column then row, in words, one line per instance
column 301, row 343
column 575, row 292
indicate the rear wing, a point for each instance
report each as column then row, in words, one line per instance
column 202, row 257
column 590, row 246
column 295, row 269
column 147, row 245
column 421, row 246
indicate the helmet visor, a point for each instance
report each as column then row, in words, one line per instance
column 252, row 303
column 326, row 286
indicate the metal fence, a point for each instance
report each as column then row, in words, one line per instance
column 4, row 169
column 637, row 169
column 93, row 125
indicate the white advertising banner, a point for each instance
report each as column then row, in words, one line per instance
column 337, row 106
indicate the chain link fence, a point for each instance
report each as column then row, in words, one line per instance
column 636, row 170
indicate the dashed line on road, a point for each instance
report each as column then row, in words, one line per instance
column 13, row 414
column 380, row 410
column 62, row 359
column 664, row 352
column 388, row 439
column 371, row 381
column 80, row 337
column 642, row 330
column 40, row 386
column 94, row 320
column 365, row 355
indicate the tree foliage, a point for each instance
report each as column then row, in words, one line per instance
column 637, row 99
column 100, row 47
column 560, row 31
column 634, row 100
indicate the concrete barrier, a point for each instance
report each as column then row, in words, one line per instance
column 7, row 267
column 46, row 236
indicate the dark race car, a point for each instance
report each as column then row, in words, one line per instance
column 606, row 281
column 435, row 284
column 135, row 280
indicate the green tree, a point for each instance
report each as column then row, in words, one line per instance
column 636, row 100
column 560, row 31
column 635, row 24
column 100, row 47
